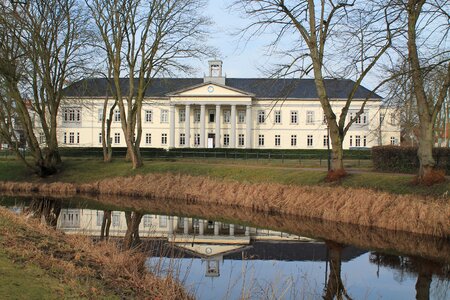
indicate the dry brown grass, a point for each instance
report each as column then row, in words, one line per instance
column 78, row 259
column 431, row 178
column 421, row 215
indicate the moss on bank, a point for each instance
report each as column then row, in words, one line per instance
column 89, row 170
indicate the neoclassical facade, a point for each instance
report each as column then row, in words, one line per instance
column 220, row 112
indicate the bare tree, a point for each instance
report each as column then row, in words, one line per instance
column 355, row 34
column 144, row 39
column 427, row 37
column 42, row 48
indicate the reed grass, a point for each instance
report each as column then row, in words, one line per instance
column 76, row 260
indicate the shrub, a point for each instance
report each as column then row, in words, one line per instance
column 405, row 160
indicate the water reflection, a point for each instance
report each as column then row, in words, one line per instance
column 226, row 260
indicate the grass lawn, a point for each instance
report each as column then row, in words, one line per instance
column 81, row 170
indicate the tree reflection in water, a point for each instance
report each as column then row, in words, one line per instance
column 132, row 238
column 334, row 286
column 45, row 209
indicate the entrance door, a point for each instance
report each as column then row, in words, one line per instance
column 211, row 140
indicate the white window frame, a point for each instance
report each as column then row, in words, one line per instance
column 197, row 116
column 261, row 140
column 241, row 140
column 149, row 116
column 226, row 116
column 357, row 141
column 182, row 139
column 277, row 117
column 310, row 140
column 117, row 115
column 226, row 139
column 117, row 138
column 293, row 140
column 100, row 138
column 148, row 138
column 100, row 115
column 310, row 117
column 294, row 117
column 164, row 116
column 326, row 140
column 197, row 139
column 261, row 116
column 182, row 115
column 164, row 139
column 241, row 116
column 277, row 140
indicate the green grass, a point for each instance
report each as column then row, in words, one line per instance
column 27, row 281
column 81, row 170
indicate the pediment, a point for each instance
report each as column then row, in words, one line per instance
column 210, row 89
column 209, row 250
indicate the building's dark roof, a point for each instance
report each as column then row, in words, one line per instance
column 262, row 88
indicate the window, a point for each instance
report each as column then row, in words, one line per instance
column 78, row 137
column 164, row 116
column 164, row 139
column 393, row 141
column 99, row 217
column 293, row 140
column 162, row 221
column 309, row 117
column 278, row 117
column 361, row 119
column 116, row 138
column 149, row 116
column 197, row 116
column 324, row 120
column 72, row 115
column 212, row 116
column 41, row 138
column 226, row 139
column 357, row 140
column 393, row 122
column 277, row 140
column 261, row 116
column 241, row 116
column 182, row 115
column 309, row 140
column 381, row 118
column 326, row 140
column 182, row 139
column 294, row 117
column 117, row 115
column 71, row 138
column 148, row 138
column 115, row 219
column 351, row 141
column 100, row 114
column 241, row 140
column 196, row 139
column 65, row 138
column 147, row 221
column 226, row 116
column 100, row 138
column 365, row 141
column 261, row 140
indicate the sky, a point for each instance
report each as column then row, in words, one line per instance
column 239, row 60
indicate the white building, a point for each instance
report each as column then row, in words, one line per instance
column 215, row 111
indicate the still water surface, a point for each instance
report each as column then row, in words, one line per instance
column 216, row 259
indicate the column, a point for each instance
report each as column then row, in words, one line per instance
column 201, row 227
column 216, row 228
column 231, row 229
column 233, row 127
column 172, row 127
column 247, row 231
column 248, row 119
column 188, row 126
column 202, row 126
column 170, row 224
column 217, row 126
column 186, row 226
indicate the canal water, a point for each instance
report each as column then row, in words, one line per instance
column 235, row 257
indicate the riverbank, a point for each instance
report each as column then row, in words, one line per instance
column 410, row 213
column 43, row 263
column 86, row 170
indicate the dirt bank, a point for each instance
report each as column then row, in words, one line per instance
column 417, row 214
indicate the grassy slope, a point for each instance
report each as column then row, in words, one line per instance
column 88, row 170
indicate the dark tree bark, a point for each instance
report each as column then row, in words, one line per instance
column 132, row 238
column 106, row 224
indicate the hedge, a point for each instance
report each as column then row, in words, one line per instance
column 402, row 159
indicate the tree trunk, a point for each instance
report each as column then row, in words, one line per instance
column 425, row 151
column 106, row 224
column 423, row 286
column 48, row 164
column 334, row 287
column 132, row 235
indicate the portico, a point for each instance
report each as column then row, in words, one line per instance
column 211, row 123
